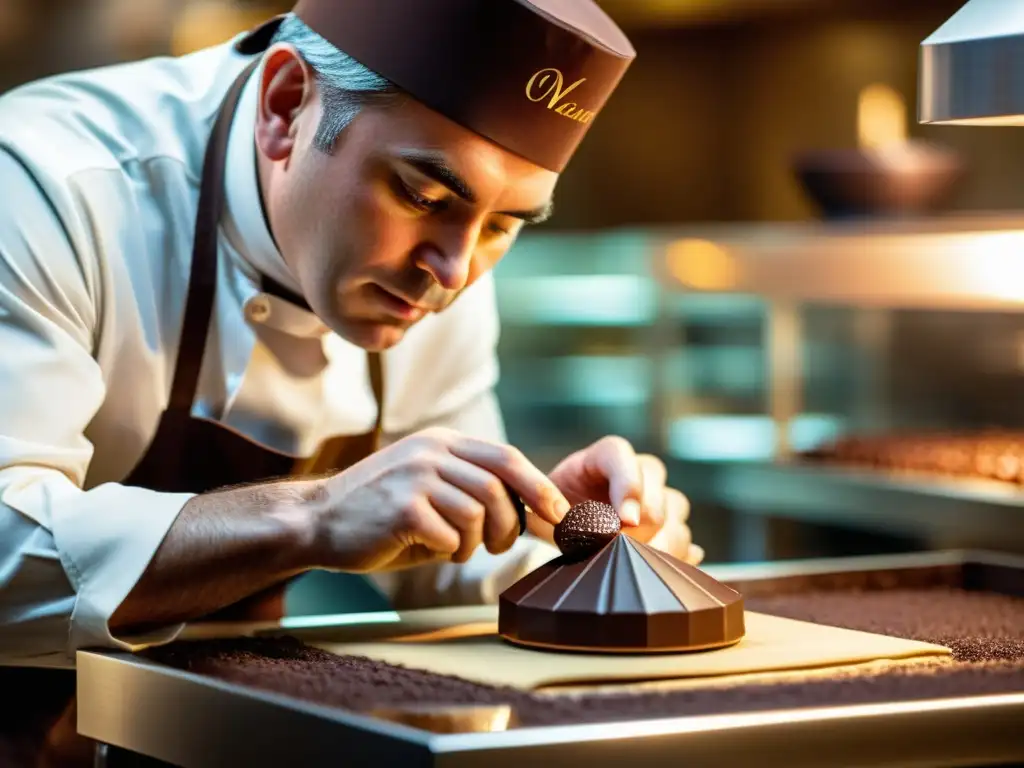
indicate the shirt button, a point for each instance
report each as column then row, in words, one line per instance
column 259, row 309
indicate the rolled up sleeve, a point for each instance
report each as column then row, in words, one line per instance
column 68, row 556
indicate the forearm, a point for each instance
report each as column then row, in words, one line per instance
column 223, row 547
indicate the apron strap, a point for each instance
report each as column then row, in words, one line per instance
column 202, row 285
column 376, row 365
column 336, row 454
column 339, row 453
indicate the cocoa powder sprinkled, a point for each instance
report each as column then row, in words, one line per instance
column 977, row 626
column 985, row 632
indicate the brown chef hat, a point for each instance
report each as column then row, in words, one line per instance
column 530, row 75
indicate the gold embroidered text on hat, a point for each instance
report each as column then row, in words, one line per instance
column 530, row 76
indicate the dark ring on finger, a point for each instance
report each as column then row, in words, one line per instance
column 520, row 507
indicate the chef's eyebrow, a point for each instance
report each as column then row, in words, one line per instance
column 535, row 216
column 435, row 167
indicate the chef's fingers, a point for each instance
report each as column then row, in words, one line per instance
column 509, row 464
column 542, row 529
column 673, row 537
column 677, row 507
column 419, row 523
column 499, row 525
column 614, row 459
column 462, row 512
column 654, row 475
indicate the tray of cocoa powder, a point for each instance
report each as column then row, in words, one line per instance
column 270, row 698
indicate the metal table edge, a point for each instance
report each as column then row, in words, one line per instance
column 99, row 663
column 569, row 735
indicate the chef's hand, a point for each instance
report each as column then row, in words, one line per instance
column 435, row 495
column 610, row 471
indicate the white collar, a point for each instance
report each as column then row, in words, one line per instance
column 244, row 223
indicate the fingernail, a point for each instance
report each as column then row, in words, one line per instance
column 696, row 554
column 562, row 507
column 630, row 512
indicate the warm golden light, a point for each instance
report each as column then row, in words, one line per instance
column 701, row 265
column 210, row 22
column 996, row 263
column 818, row 716
column 450, row 719
column 881, row 117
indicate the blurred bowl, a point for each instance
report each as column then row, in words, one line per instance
column 907, row 179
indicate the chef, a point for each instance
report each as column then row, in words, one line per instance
column 248, row 320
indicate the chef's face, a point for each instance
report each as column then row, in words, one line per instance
column 405, row 212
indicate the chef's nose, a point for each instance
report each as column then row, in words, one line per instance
column 449, row 261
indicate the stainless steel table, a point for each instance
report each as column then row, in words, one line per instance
column 196, row 721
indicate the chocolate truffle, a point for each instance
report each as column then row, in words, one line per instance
column 626, row 597
column 586, row 528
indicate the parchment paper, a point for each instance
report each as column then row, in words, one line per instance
column 474, row 651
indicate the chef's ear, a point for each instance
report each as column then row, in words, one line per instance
column 287, row 88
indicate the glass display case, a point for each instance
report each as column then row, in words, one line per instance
column 728, row 349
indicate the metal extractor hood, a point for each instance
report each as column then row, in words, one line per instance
column 972, row 67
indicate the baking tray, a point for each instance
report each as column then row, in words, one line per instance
column 196, row 721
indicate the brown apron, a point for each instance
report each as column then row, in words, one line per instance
column 195, row 456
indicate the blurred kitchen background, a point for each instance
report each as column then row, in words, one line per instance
column 700, row 290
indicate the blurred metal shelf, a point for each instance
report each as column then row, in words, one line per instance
column 938, row 509
column 971, row 262
column 636, row 276
column 955, row 261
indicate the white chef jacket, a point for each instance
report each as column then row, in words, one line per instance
column 99, row 181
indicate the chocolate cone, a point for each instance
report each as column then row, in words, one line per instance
column 627, row 597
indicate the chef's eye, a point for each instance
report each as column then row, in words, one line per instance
column 414, row 198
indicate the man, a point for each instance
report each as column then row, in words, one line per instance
column 248, row 319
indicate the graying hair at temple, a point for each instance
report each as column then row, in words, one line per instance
column 346, row 85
